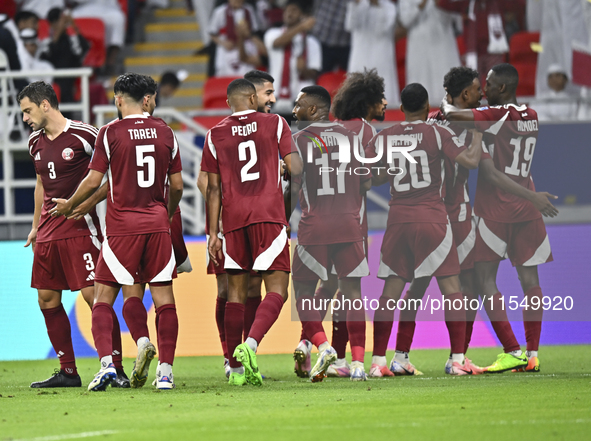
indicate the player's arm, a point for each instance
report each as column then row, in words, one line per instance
column 175, row 193
column 540, row 199
column 452, row 113
column 202, row 183
column 85, row 207
column 87, row 187
column 214, row 208
column 32, row 238
column 470, row 158
column 294, row 164
column 303, row 26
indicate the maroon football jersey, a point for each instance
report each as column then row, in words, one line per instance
column 417, row 188
column 510, row 136
column 139, row 152
column 330, row 196
column 62, row 163
column 244, row 150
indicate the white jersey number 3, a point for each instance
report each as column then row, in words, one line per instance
column 145, row 178
column 245, row 173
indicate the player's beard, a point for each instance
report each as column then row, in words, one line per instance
column 119, row 114
column 380, row 117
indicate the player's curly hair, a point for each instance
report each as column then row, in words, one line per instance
column 131, row 84
column 39, row 91
column 457, row 79
column 359, row 92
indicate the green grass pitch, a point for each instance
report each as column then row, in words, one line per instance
column 553, row 404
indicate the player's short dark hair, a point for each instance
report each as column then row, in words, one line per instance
column 258, row 77
column 24, row 15
column 305, row 6
column 457, row 79
column 39, row 91
column 151, row 85
column 357, row 94
column 131, row 84
column 413, row 97
column 319, row 93
column 54, row 15
column 170, row 78
column 241, row 86
column 508, row 75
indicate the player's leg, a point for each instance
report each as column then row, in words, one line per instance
column 234, row 321
column 356, row 325
column 253, row 300
column 467, row 288
column 220, row 313
column 340, row 335
column 532, row 314
column 181, row 255
column 168, row 329
column 60, row 335
column 322, row 296
column 406, row 330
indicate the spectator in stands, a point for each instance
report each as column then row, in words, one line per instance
column 169, row 84
column 8, row 43
column 33, row 62
column 330, row 31
column 62, row 50
column 114, row 19
column 295, row 56
column 556, row 104
column 372, row 24
column 40, row 7
column 26, row 20
column 431, row 44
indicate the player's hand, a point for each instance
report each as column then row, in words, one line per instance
column 62, row 208
column 32, row 239
column 228, row 45
column 214, row 248
column 221, row 226
column 288, row 231
column 541, row 201
column 81, row 210
column 307, row 24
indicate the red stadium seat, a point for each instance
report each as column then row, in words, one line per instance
column 461, row 43
column 124, row 7
column 93, row 29
column 527, row 79
column 58, row 91
column 331, row 81
column 43, row 30
column 520, row 48
column 214, row 92
column 401, row 62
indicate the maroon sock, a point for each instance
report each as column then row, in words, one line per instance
column 311, row 320
column 220, row 312
column 250, row 311
column 356, row 329
column 267, row 314
column 102, row 328
column 340, row 334
column 532, row 318
column 60, row 335
column 498, row 320
column 116, row 339
column 136, row 318
column 470, row 317
column 383, row 320
column 233, row 326
column 168, row 331
column 455, row 320
column 320, row 302
column 406, row 324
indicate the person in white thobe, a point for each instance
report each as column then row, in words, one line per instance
column 371, row 24
column 431, row 48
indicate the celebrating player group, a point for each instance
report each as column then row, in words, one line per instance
column 254, row 173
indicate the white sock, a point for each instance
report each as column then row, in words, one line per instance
column 457, row 358
column 309, row 345
column 379, row 360
column 164, row 369
column 530, row 354
column 324, row 346
column 356, row 364
column 341, row 362
column 516, row 353
column 238, row 370
column 142, row 341
column 252, row 343
column 106, row 361
column 401, row 357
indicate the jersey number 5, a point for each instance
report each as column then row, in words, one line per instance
column 145, row 178
column 245, row 173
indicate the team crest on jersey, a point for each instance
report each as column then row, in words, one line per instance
column 68, row 154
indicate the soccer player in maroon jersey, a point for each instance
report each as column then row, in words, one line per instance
column 65, row 251
column 509, row 226
column 263, row 83
column 141, row 155
column 463, row 87
column 241, row 156
column 329, row 232
column 418, row 241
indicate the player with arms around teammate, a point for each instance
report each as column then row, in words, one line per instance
column 418, row 241
column 141, row 154
column 329, row 232
column 509, row 225
column 241, row 156
column 65, row 251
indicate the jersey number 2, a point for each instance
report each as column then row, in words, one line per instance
column 245, row 173
column 145, row 178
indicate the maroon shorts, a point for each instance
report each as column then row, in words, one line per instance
column 181, row 255
column 313, row 262
column 464, row 237
column 211, row 268
column 66, row 263
column 525, row 243
column 258, row 247
column 416, row 250
column 142, row 258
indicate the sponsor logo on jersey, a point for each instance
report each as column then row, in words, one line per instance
column 316, row 140
column 68, row 154
column 139, row 121
column 38, row 157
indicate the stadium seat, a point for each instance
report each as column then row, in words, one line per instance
column 93, row 29
column 527, row 79
column 331, row 81
column 401, row 62
column 461, row 43
column 520, row 50
column 43, row 30
column 58, row 91
column 214, row 92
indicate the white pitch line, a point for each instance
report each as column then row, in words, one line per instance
column 70, row 436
